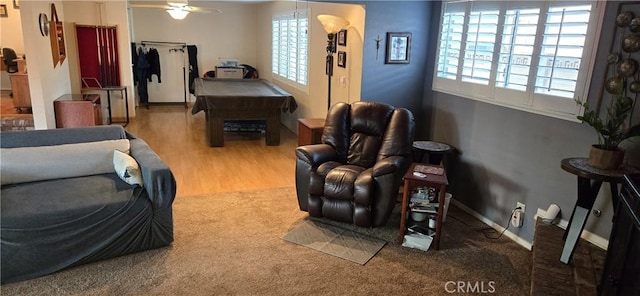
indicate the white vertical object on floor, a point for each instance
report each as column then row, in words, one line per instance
column 171, row 89
column 447, row 200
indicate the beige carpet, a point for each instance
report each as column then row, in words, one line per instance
column 230, row 244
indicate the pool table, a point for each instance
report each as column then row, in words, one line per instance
column 244, row 99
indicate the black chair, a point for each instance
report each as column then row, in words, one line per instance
column 354, row 175
column 249, row 72
column 9, row 56
column 210, row 74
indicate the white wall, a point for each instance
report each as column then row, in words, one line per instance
column 45, row 82
column 10, row 36
column 110, row 13
column 242, row 30
column 313, row 102
column 230, row 34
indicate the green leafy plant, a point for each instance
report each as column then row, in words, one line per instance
column 611, row 128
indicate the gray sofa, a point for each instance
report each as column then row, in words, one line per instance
column 58, row 222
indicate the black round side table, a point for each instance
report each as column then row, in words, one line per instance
column 589, row 182
column 434, row 150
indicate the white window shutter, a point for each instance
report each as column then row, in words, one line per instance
column 290, row 46
column 529, row 55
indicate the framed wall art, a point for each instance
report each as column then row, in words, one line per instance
column 3, row 10
column 398, row 48
column 16, row 4
column 342, row 59
column 342, row 37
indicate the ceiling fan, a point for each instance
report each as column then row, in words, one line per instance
column 178, row 9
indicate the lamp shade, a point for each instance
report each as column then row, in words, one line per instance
column 332, row 24
column 178, row 13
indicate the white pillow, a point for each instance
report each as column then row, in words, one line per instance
column 127, row 168
column 28, row 164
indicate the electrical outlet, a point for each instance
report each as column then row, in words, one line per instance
column 521, row 206
column 518, row 215
column 516, row 218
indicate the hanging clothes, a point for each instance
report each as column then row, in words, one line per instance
column 192, row 50
column 142, row 72
column 134, row 60
column 153, row 57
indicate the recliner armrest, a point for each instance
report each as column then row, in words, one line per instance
column 316, row 154
column 389, row 165
column 158, row 179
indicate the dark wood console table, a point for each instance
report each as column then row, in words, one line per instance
column 621, row 268
column 589, row 181
column 310, row 131
column 410, row 180
column 108, row 89
column 122, row 90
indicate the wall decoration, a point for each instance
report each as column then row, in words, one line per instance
column 613, row 116
column 3, row 10
column 342, row 37
column 16, row 4
column 56, row 36
column 342, row 59
column 377, row 40
column 43, row 23
column 398, row 48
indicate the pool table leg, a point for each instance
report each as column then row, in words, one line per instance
column 215, row 132
column 272, row 136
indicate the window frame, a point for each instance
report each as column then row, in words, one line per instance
column 529, row 101
column 276, row 55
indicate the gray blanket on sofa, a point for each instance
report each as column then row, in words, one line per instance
column 50, row 225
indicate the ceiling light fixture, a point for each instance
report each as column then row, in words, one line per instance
column 332, row 24
column 178, row 13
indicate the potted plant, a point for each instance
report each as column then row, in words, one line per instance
column 612, row 129
column 623, row 83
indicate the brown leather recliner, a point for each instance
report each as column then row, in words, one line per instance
column 354, row 175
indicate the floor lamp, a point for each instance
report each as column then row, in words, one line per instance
column 332, row 25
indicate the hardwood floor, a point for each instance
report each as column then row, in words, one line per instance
column 244, row 163
column 8, row 108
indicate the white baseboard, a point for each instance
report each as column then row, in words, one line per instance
column 493, row 225
column 591, row 237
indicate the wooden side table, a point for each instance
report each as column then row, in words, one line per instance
column 108, row 89
column 438, row 181
column 21, row 91
column 589, row 181
column 310, row 131
column 435, row 150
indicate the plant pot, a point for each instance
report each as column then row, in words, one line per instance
column 605, row 159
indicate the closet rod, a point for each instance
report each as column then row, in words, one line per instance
column 163, row 43
column 94, row 26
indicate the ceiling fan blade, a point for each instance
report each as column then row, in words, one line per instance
column 202, row 10
column 159, row 6
column 187, row 8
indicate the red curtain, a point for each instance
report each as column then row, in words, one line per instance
column 98, row 55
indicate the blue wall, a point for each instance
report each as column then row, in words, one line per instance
column 508, row 156
column 401, row 85
column 503, row 155
column 396, row 84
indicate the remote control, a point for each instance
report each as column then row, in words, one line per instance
column 419, row 174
